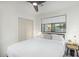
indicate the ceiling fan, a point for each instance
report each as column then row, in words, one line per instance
column 35, row 4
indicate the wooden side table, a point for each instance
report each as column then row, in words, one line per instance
column 73, row 47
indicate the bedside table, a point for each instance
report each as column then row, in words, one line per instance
column 72, row 48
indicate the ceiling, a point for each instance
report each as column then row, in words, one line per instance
column 51, row 6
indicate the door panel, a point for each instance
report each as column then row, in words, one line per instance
column 25, row 29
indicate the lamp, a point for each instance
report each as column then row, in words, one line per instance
column 35, row 4
column 73, row 40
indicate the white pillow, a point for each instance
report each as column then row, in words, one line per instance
column 57, row 37
column 40, row 36
column 45, row 36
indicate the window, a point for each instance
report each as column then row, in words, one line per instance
column 47, row 27
column 54, row 27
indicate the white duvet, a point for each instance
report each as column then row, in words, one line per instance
column 37, row 47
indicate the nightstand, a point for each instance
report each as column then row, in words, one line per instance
column 72, row 49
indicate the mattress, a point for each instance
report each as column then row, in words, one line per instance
column 36, row 47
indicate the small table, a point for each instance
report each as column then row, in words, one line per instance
column 73, row 47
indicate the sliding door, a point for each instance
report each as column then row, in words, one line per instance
column 25, row 29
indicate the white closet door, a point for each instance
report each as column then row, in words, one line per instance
column 25, row 29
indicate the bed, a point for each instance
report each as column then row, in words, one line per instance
column 37, row 47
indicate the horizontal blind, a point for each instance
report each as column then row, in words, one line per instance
column 57, row 19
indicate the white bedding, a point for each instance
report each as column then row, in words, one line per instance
column 37, row 47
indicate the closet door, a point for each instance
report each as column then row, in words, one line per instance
column 25, row 29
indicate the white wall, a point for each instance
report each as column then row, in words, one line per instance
column 72, row 20
column 9, row 13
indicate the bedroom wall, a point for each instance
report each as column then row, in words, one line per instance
column 72, row 20
column 9, row 13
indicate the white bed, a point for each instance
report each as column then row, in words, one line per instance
column 37, row 47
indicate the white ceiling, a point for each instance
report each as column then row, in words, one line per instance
column 56, row 5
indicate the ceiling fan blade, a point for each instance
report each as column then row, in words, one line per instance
column 38, row 2
column 36, row 8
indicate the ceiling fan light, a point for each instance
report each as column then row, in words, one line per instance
column 35, row 4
